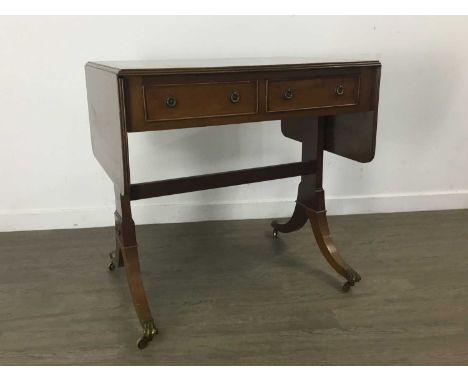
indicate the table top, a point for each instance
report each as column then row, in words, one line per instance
column 228, row 64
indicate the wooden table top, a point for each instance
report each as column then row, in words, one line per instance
column 223, row 65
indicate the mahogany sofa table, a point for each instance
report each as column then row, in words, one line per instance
column 325, row 106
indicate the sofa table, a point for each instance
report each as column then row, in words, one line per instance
column 325, row 106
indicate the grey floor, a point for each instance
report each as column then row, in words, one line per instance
column 227, row 293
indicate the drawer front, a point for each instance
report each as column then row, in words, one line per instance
column 200, row 100
column 313, row 93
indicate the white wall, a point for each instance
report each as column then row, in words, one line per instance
column 50, row 179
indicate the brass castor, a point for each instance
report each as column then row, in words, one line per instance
column 352, row 277
column 149, row 331
column 142, row 343
column 111, row 265
column 346, row 286
column 275, row 232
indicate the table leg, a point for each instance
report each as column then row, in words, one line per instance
column 310, row 204
column 128, row 254
column 319, row 223
column 295, row 223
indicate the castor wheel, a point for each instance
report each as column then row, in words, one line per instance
column 149, row 331
column 275, row 232
column 111, row 265
column 353, row 277
column 142, row 342
column 346, row 286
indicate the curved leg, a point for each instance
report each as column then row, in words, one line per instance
column 128, row 254
column 318, row 221
column 137, row 291
column 297, row 221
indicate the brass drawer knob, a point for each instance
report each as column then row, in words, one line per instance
column 339, row 89
column 171, row 101
column 234, row 97
column 288, row 94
